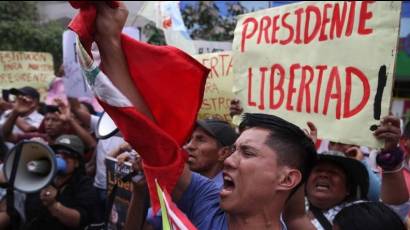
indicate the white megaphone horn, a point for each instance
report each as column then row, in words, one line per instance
column 35, row 167
column 106, row 127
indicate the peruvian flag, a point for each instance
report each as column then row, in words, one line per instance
column 172, row 217
column 170, row 82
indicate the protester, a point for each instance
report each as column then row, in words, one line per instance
column 69, row 202
column 270, row 160
column 57, row 121
column 337, row 181
column 23, row 117
column 209, row 146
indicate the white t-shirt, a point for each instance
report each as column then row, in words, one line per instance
column 34, row 119
column 104, row 147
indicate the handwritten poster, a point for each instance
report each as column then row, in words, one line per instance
column 19, row 69
column 331, row 63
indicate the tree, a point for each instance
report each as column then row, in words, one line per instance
column 204, row 21
column 20, row 30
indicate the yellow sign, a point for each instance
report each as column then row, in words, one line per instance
column 331, row 63
column 19, row 69
column 218, row 89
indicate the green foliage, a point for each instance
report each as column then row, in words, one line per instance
column 20, row 30
column 155, row 35
column 204, row 21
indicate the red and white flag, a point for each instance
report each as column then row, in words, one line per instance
column 172, row 217
column 170, row 82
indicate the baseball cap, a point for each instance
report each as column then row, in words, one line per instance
column 71, row 143
column 26, row 91
column 222, row 131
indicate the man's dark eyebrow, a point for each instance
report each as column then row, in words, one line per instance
column 246, row 147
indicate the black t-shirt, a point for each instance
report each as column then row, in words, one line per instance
column 79, row 194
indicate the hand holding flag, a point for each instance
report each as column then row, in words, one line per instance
column 167, row 81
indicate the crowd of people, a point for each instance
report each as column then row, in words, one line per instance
column 266, row 173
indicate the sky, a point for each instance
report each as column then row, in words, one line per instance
column 256, row 5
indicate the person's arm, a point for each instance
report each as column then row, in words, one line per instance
column 294, row 213
column 82, row 114
column 66, row 116
column 67, row 216
column 109, row 24
column 25, row 126
column 136, row 213
column 393, row 188
column 4, row 217
column 23, row 105
column 8, row 126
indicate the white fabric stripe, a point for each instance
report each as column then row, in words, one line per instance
column 174, row 217
column 99, row 83
column 107, row 92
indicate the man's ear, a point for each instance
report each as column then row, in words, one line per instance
column 224, row 153
column 289, row 179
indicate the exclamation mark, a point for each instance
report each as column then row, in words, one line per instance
column 377, row 106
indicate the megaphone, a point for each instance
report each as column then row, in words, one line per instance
column 106, row 127
column 35, row 167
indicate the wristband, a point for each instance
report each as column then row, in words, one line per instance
column 391, row 159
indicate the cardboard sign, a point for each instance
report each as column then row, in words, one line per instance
column 123, row 194
column 204, row 47
column 19, row 69
column 218, row 89
column 331, row 63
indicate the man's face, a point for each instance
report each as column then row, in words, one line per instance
column 53, row 126
column 26, row 103
column 203, row 151
column 326, row 186
column 72, row 163
column 251, row 173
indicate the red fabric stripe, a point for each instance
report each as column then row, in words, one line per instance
column 162, row 158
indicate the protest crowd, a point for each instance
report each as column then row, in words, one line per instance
column 264, row 172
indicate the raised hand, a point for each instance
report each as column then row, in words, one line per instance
column 64, row 113
column 389, row 131
column 109, row 21
column 23, row 105
column 312, row 132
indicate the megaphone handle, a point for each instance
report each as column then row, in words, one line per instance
column 11, row 211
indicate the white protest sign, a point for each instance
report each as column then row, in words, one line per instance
column 74, row 83
column 331, row 63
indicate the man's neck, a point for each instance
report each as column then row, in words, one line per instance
column 213, row 172
column 265, row 219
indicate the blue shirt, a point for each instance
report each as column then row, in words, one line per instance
column 200, row 202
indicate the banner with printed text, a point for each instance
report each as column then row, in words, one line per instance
column 19, row 69
column 331, row 63
column 218, row 89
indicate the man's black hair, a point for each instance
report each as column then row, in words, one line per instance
column 293, row 146
column 368, row 215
